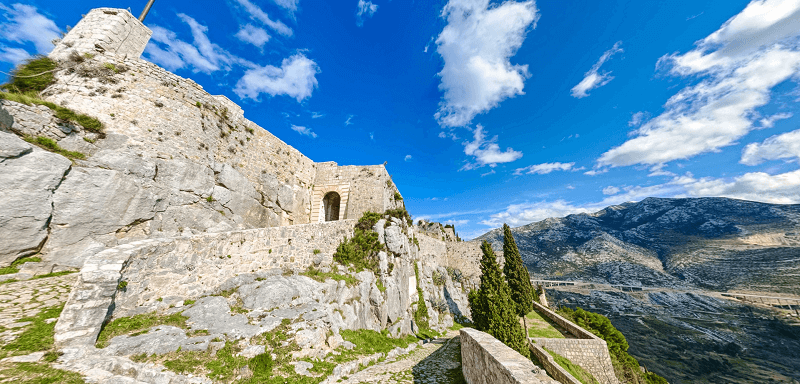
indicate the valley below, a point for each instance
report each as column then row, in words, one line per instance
column 658, row 270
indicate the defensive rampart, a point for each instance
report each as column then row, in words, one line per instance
column 485, row 360
column 587, row 350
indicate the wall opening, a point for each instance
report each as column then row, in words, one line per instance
column 331, row 203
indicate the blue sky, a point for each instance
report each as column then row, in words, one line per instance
column 492, row 112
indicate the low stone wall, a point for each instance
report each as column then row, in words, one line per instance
column 485, row 360
column 550, row 365
column 132, row 277
column 588, row 351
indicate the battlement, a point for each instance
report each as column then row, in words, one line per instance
column 107, row 31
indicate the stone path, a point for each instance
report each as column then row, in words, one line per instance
column 431, row 363
column 23, row 299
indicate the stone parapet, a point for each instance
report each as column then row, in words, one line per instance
column 588, row 351
column 550, row 365
column 485, row 360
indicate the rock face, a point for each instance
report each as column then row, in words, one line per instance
column 715, row 243
column 28, row 179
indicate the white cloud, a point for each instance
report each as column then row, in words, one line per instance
column 253, row 35
column 167, row 50
column 304, row 131
column 13, row 55
column 295, row 78
column 317, row 115
column 364, row 10
column 476, row 46
column 408, row 158
column 638, row 118
column 525, row 213
column 784, row 146
column 769, row 121
column 24, row 24
column 349, row 120
column 544, row 168
column 610, row 190
column 741, row 62
column 257, row 14
column 594, row 79
column 782, row 188
column 289, row 5
column 492, row 172
column 487, row 152
column 372, row 135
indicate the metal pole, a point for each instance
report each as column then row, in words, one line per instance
column 146, row 10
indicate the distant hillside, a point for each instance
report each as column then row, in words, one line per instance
column 712, row 243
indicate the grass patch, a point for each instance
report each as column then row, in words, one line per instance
column 14, row 267
column 24, row 78
column 320, row 276
column 38, row 336
column 52, row 146
column 88, row 122
column 33, row 373
column 369, row 342
column 55, row 274
column 574, row 369
column 540, row 326
column 138, row 323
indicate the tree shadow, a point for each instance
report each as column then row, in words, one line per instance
column 443, row 365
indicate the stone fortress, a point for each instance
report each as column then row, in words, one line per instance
column 180, row 200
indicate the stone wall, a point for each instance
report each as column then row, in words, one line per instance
column 369, row 188
column 485, row 360
column 549, row 363
column 105, row 30
column 466, row 256
column 190, row 267
column 588, row 351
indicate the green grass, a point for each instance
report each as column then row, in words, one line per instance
column 368, row 341
column 14, row 267
column 24, row 78
column 33, row 373
column 539, row 326
column 55, row 274
column 320, row 276
column 575, row 370
column 52, row 146
column 88, row 122
column 38, row 336
column 143, row 322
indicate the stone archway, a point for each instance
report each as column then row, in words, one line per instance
column 319, row 208
column 330, row 204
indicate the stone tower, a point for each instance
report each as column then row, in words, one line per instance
column 109, row 31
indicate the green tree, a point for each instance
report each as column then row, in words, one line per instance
column 493, row 310
column 517, row 276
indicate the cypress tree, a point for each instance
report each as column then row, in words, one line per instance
column 493, row 310
column 517, row 276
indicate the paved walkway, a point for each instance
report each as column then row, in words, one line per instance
column 26, row 298
column 437, row 362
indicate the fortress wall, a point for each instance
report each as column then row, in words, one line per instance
column 466, row 256
column 162, row 115
column 369, row 189
column 190, row 267
column 486, row 360
column 588, row 351
column 549, row 364
column 105, row 30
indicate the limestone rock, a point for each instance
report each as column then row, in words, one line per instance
column 12, row 146
column 230, row 178
column 185, row 176
column 125, row 162
column 27, row 184
column 92, row 202
column 379, row 227
column 159, row 340
column 286, row 198
column 395, row 239
column 212, row 313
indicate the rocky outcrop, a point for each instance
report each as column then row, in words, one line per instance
column 29, row 177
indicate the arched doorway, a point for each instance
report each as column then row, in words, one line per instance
column 331, row 203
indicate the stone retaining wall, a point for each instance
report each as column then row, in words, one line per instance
column 485, row 360
column 133, row 277
column 588, row 351
column 550, row 365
